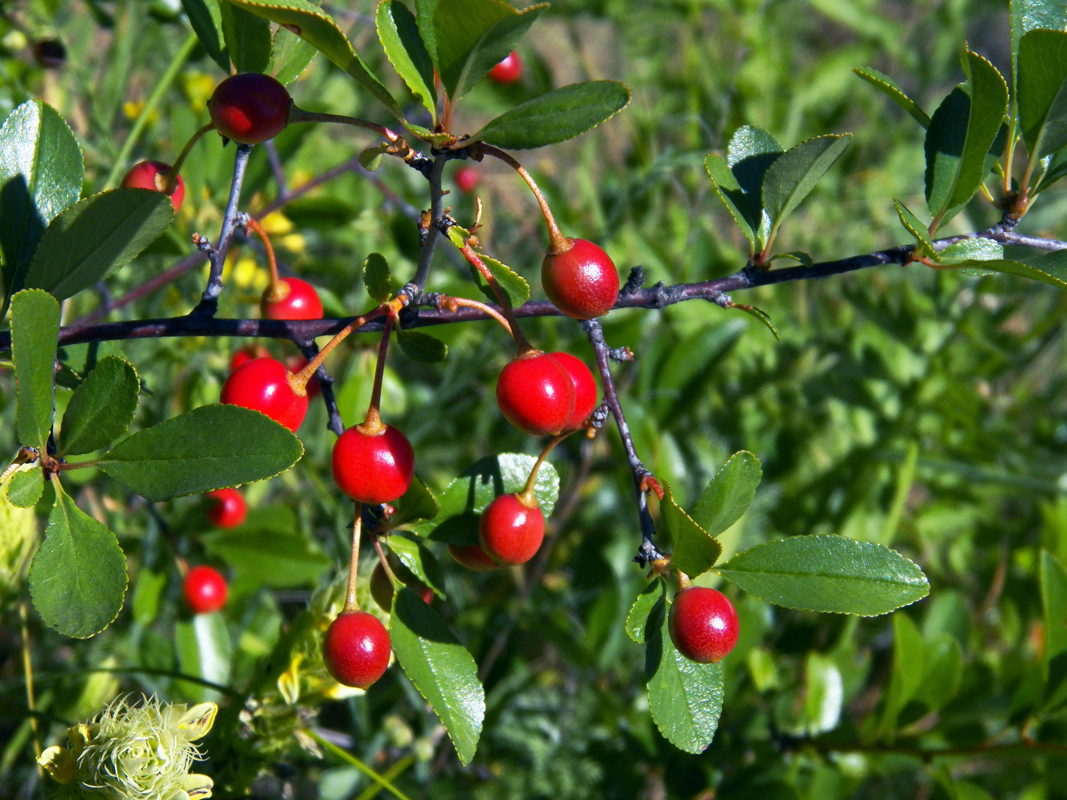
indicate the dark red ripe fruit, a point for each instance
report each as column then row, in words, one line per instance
column 247, row 354
column 582, row 282
column 373, row 468
column 467, row 179
column 356, row 649
column 204, row 589
column 262, row 384
column 703, row 624
column 302, row 302
column 249, row 107
column 227, row 508
column 536, row 394
column 472, row 557
column 585, row 391
column 508, row 70
column 509, row 531
column 153, row 175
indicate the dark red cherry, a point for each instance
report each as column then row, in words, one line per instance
column 508, row 70
column 510, row 531
column 373, row 467
column 356, row 649
column 264, row 384
column 536, row 394
column 226, row 508
column 297, row 300
column 703, row 624
column 249, row 107
column 581, row 281
column 204, row 589
column 153, row 175
column 586, row 395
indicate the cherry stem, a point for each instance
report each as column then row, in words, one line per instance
column 558, row 243
column 449, row 303
column 304, row 376
column 521, row 345
column 172, row 175
column 278, row 290
column 297, row 114
column 395, row 581
column 527, row 496
column 351, row 603
column 373, row 423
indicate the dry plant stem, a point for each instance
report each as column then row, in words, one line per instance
column 395, row 581
column 351, row 603
column 278, row 290
column 217, row 256
column 176, row 167
column 379, row 368
column 557, row 241
column 429, row 244
column 521, row 345
column 310, row 350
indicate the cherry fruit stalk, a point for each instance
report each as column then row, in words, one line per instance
column 356, row 649
column 703, row 624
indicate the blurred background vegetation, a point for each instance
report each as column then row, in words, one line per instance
column 920, row 409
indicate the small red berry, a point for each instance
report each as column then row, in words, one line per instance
column 249, row 107
column 227, row 508
column 467, row 179
column 472, row 557
column 585, row 391
column 247, row 353
column 204, row 589
column 536, row 394
column 153, row 175
column 510, row 531
column 296, row 363
column 373, row 467
column 581, row 281
column 508, row 70
column 300, row 301
column 263, row 384
column 703, row 624
column 356, row 649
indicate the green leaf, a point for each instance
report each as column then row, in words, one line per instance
column 561, row 114
column 261, row 557
column 101, row 408
column 422, row 347
column 729, row 495
column 1028, row 15
column 749, row 155
column 26, row 487
column 822, row 694
column 417, row 503
column 210, row 447
column 828, row 573
column 204, row 651
column 513, row 285
column 371, row 158
column 961, row 134
column 888, row 86
column 685, row 697
column 316, row 27
column 1050, row 268
column 943, row 671
column 247, row 37
column 34, row 335
column 729, row 191
column 206, row 19
column 794, row 174
column 98, row 235
column 802, row 258
column 414, row 555
column 761, row 315
column 1053, row 606
column 694, row 550
column 376, row 278
column 78, row 576
column 399, row 34
column 147, row 593
column 908, row 673
column 637, row 620
column 40, row 175
column 1055, row 167
column 970, row 250
column 289, row 55
column 924, row 245
column 424, row 11
column 1042, row 92
column 441, row 669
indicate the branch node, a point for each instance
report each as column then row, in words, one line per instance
column 634, row 282
column 621, row 354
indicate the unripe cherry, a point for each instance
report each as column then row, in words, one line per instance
column 703, row 624
column 373, row 466
column 507, row 70
column 249, row 107
column 511, row 531
column 265, row 385
column 472, row 557
column 204, row 589
column 226, row 508
column 153, row 175
column 356, row 649
column 581, row 281
column 292, row 298
column 536, row 394
column 585, row 391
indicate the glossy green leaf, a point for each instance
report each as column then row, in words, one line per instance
column 924, row 245
column 376, row 278
column 147, row 594
column 906, row 679
column 247, row 36
column 802, row 258
column 561, row 114
column 26, row 487
column 399, row 34
column 823, row 695
column 1053, row 606
column 289, row 55
column 943, row 671
column 761, row 315
column 828, row 573
column 422, row 347
column 729, row 495
column 318, row 28
column 206, row 19
column 207, row 448
column 78, row 576
column 637, row 620
column 424, row 11
column 513, row 285
column 414, row 555
column 1028, row 15
column 34, row 335
column 264, row 557
column 970, row 250
column 795, row 172
column 889, row 87
column 204, row 651
column 736, row 201
column 685, row 697
column 1050, row 268
column 40, row 175
column 101, row 408
column 1042, row 91
column 417, row 503
column 441, row 669
column 95, row 236
column 694, row 551
column 749, row 155
column 1055, row 167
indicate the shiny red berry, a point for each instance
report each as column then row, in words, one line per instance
column 508, row 70
column 300, row 301
column 585, row 391
column 226, row 508
column 511, row 532
column 263, row 384
column 582, row 281
column 703, row 624
column 467, row 179
column 356, row 649
column 472, row 557
column 373, row 467
column 249, row 107
column 204, row 589
column 153, row 175
column 536, row 394
column 247, row 353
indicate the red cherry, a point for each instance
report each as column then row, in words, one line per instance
column 227, row 508
column 204, row 589
column 301, row 301
column 511, row 532
column 508, row 70
column 296, row 363
column 536, row 394
column 472, row 557
column 381, row 589
column 703, row 624
column 356, row 649
column 467, row 179
column 373, row 468
column 249, row 107
column 247, row 353
column 586, row 395
column 263, row 384
column 153, row 175
column 582, row 281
